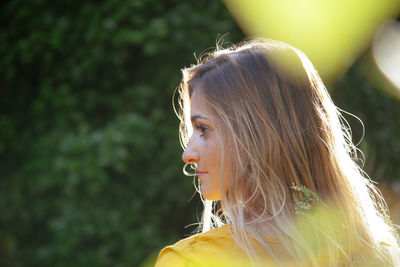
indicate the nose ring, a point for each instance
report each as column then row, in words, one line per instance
column 192, row 166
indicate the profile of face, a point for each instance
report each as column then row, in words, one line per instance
column 204, row 148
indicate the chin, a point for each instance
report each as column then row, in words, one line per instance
column 211, row 197
column 210, row 191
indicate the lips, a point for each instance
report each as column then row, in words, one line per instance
column 201, row 175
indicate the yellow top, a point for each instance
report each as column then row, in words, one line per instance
column 214, row 248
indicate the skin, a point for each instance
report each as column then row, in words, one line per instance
column 204, row 148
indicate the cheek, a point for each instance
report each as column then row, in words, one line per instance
column 213, row 158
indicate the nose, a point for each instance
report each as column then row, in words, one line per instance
column 190, row 155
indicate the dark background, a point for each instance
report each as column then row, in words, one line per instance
column 90, row 162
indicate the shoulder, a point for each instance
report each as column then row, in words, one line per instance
column 213, row 248
column 195, row 250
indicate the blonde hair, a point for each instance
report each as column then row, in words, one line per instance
column 280, row 130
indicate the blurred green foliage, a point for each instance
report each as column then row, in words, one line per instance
column 90, row 169
column 91, row 173
column 379, row 133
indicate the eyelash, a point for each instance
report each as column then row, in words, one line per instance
column 202, row 129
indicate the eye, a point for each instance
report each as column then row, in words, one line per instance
column 203, row 129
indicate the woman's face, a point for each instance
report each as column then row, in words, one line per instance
column 204, row 148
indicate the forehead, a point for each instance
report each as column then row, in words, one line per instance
column 198, row 105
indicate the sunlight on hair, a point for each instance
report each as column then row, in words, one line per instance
column 183, row 111
column 321, row 235
column 206, row 215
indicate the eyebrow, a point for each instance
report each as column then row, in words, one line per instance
column 196, row 117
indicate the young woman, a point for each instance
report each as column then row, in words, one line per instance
column 276, row 167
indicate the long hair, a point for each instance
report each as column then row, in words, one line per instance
column 284, row 139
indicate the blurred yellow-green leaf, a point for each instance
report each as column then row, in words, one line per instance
column 332, row 33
